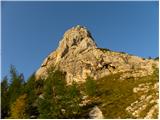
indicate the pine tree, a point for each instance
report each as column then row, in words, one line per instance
column 54, row 89
column 16, row 87
column 18, row 108
column 4, row 98
column 59, row 100
column 30, row 90
column 73, row 99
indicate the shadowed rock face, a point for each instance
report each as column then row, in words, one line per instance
column 78, row 56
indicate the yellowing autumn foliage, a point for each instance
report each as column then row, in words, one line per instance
column 18, row 108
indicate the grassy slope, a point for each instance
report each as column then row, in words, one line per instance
column 114, row 95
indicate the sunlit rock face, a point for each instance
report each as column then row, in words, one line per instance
column 96, row 113
column 79, row 56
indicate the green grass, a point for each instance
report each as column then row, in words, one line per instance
column 114, row 95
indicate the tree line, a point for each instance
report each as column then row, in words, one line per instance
column 44, row 98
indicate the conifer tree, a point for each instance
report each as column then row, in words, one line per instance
column 16, row 87
column 18, row 108
column 73, row 99
column 54, row 88
column 30, row 90
column 4, row 98
column 59, row 100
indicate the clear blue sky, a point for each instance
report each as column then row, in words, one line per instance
column 31, row 30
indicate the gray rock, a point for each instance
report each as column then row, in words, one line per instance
column 78, row 56
column 149, row 97
column 96, row 113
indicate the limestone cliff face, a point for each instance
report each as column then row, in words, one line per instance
column 78, row 56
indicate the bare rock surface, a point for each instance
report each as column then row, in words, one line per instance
column 96, row 113
column 78, row 56
column 147, row 104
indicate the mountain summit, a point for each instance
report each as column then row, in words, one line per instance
column 126, row 85
column 78, row 56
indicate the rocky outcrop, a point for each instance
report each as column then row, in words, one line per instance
column 78, row 56
column 96, row 113
column 147, row 104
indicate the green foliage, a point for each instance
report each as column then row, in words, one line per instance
column 4, row 85
column 47, row 104
column 115, row 94
column 30, row 90
column 104, row 49
column 4, row 98
column 156, row 58
column 39, row 84
column 43, row 98
column 11, row 91
column 72, row 100
column 90, row 86
column 18, row 108
column 122, row 52
column 53, row 98
column 16, row 86
column 58, row 100
column 156, row 73
column 149, row 57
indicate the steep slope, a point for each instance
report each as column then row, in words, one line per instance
column 79, row 57
column 128, row 98
column 127, row 85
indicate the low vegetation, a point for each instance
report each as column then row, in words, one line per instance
column 49, row 98
column 53, row 98
column 104, row 49
column 115, row 95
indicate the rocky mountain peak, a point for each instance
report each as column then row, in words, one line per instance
column 119, row 76
column 78, row 56
column 76, row 39
column 77, row 33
